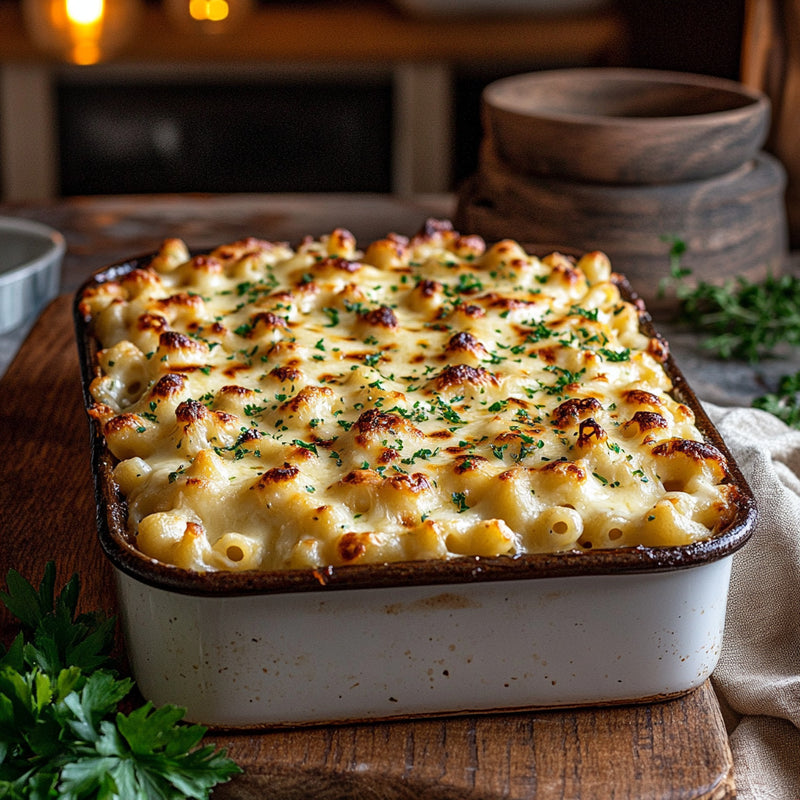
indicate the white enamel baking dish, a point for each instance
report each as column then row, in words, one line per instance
column 368, row 642
column 320, row 656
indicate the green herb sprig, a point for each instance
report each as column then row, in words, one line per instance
column 746, row 321
column 742, row 319
column 783, row 403
column 62, row 734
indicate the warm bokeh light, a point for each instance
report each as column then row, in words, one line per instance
column 85, row 12
column 214, row 17
column 211, row 10
column 81, row 31
column 85, row 53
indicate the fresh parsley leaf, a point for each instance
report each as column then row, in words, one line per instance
column 616, row 355
column 310, row 446
column 564, row 379
column 56, row 635
column 333, row 316
column 61, row 732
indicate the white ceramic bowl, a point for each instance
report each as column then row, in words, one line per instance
column 30, row 269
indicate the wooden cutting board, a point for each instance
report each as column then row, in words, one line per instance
column 676, row 749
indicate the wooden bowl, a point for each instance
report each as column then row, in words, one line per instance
column 732, row 225
column 624, row 126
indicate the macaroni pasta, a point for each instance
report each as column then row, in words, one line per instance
column 271, row 407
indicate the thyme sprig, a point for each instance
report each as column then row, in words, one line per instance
column 784, row 403
column 742, row 319
column 746, row 321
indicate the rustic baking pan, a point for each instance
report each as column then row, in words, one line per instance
column 471, row 634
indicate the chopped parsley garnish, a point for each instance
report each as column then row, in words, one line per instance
column 173, row 476
column 499, row 451
column 460, row 501
column 564, row 378
column 616, row 355
column 310, row 446
column 424, row 453
column 447, row 413
column 468, row 283
column 586, row 313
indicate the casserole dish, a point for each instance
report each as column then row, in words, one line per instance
column 462, row 634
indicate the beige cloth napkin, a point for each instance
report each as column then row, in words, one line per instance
column 758, row 676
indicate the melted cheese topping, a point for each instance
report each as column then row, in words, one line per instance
column 274, row 408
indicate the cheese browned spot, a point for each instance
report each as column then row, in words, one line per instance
column 457, row 374
column 287, row 472
column 168, row 385
column 575, row 409
column 382, row 317
column 278, row 407
column 590, row 433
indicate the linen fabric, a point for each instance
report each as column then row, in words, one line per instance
column 757, row 679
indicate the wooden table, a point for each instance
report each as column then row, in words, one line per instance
column 676, row 749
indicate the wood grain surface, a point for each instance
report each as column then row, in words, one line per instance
column 732, row 225
column 675, row 749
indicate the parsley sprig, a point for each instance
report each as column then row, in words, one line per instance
column 62, row 734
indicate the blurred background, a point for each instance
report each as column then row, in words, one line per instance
column 140, row 96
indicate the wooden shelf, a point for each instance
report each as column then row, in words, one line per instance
column 419, row 56
column 369, row 31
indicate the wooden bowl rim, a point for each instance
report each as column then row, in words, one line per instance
column 495, row 96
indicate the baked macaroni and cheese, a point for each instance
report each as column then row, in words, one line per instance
column 277, row 407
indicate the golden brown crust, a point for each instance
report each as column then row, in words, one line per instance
column 274, row 407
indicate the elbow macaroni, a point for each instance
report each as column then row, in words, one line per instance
column 279, row 408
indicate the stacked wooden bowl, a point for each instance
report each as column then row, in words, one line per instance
column 631, row 162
